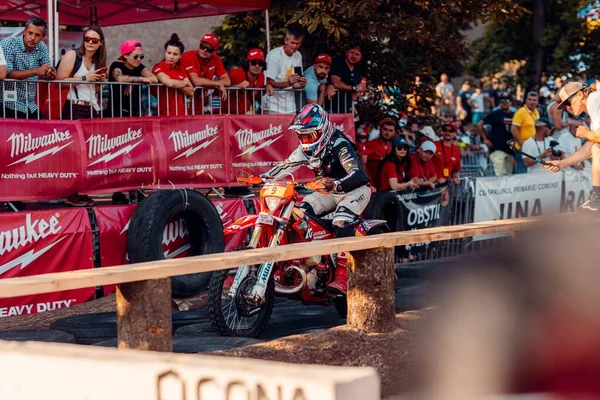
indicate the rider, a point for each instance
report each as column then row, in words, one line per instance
column 338, row 167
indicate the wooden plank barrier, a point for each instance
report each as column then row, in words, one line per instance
column 143, row 292
column 74, row 372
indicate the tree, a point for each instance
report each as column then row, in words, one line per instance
column 400, row 40
column 549, row 38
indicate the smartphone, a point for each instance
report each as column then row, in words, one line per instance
column 298, row 71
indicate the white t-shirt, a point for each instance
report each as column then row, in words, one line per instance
column 2, row 58
column 535, row 148
column 477, row 100
column 280, row 67
column 570, row 144
column 445, row 89
column 593, row 110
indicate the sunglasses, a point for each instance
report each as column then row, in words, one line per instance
column 257, row 62
column 405, row 148
column 450, row 130
column 206, row 48
column 504, row 100
column 138, row 57
column 568, row 101
column 91, row 40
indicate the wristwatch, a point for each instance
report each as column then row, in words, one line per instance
column 83, row 78
column 354, row 88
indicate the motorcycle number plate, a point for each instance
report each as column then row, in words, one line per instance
column 265, row 219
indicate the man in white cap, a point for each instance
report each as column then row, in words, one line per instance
column 422, row 170
column 577, row 98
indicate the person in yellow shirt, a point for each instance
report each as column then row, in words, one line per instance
column 523, row 127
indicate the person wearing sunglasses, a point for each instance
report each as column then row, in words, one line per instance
column 421, row 168
column 126, row 100
column 393, row 170
column 176, row 83
column 202, row 67
column 577, row 98
column 446, row 159
column 248, row 79
column 86, row 64
column 499, row 121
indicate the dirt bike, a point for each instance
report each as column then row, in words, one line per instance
column 241, row 300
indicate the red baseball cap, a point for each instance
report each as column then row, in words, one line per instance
column 210, row 40
column 323, row 58
column 255, row 54
column 130, row 45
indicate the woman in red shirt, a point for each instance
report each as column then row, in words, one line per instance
column 171, row 99
column 393, row 170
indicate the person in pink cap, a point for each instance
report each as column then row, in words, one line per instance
column 249, row 76
column 316, row 80
column 205, row 69
column 125, row 100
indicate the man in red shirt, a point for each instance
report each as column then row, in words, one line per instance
column 422, row 170
column 249, row 76
column 447, row 155
column 380, row 147
column 203, row 66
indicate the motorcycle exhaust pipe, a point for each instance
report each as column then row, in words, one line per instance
column 287, row 290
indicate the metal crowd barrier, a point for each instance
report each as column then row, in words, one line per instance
column 118, row 99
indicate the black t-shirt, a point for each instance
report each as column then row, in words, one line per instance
column 500, row 123
column 495, row 94
column 122, row 102
column 342, row 101
column 464, row 100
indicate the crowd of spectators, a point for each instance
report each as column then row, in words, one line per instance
column 192, row 80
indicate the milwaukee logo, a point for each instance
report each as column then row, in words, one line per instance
column 101, row 144
column 200, row 140
column 30, row 232
column 21, row 143
column 247, row 138
column 173, row 231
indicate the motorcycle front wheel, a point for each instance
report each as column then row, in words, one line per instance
column 236, row 316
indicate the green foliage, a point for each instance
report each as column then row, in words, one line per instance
column 400, row 40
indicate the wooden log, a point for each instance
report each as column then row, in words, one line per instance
column 144, row 320
column 371, row 290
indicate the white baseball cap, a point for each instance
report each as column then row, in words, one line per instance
column 428, row 146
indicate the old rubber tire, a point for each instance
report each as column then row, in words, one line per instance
column 144, row 241
column 37, row 335
column 306, row 324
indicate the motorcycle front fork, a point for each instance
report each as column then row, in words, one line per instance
column 266, row 269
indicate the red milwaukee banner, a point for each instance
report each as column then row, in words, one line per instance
column 41, row 242
column 44, row 160
column 230, row 211
column 40, row 160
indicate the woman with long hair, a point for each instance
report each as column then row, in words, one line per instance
column 86, row 64
column 169, row 72
column 393, row 169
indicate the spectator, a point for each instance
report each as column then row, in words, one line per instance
column 463, row 105
column 86, row 64
column 316, row 80
column 421, row 169
column 408, row 134
column 202, row 67
column 126, row 100
column 27, row 59
column 393, row 170
column 500, row 121
column 447, row 156
column 539, row 146
column 284, row 72
column 445, row 91
column 346, row 77
column 249, row 76
column 380, row 147
column 523, row 127
column 559, row 118
column 171, row 100
column 570, row 143
column 477, row 103
column 362, row 138
column 494, row 95
column 2, row 65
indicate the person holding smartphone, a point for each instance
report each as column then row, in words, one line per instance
column 86, row 64
column 284, row 74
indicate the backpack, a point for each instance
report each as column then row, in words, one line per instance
column 52, row 97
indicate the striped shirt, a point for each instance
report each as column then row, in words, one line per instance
column 21, row 95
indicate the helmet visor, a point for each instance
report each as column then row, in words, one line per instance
column 309, row 137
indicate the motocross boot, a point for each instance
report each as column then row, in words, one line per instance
column 339, row 285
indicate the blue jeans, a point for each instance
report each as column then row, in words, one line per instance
column 520, row 168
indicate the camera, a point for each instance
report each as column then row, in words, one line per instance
column 555, row 152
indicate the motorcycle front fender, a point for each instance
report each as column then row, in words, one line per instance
column 241, row 224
